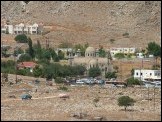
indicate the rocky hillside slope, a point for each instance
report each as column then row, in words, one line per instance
column 94, row 22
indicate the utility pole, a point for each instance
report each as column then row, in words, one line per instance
column 154, row 98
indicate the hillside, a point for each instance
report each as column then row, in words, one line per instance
column 94, row 22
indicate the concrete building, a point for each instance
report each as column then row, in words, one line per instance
column 126, row 51
column 91, row 59
column 147, row 75
column 20, row 29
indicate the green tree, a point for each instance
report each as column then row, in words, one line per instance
column 154, row 49
column 18, row 51
column 22, row 38
column 60, row 55
column 102, row 52
column 125, row 101
column 132, row 81
column 111, row 75
column 119, row 55
column 58, row 80
column 82, row 48
column 132, row 72
column 94, row 72
column 31, row 50
column 38, row 50
column 37, row 71
column 46, row 54
column 25, row 57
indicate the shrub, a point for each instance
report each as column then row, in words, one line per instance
column 125, row 101
column 24, row 57
column 119, row 55
column 58, row 80
column 154, row 49
column 63, row 88
column 22, row 38
column 132, row 81
column 94, row 72
column 96, row 100
column 112, row 40
column 111, row 75
column 126, row 34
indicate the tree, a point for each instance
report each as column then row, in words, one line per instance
column 46, row 54
column 37, row 71
column 111, row 75
column 154, row 49
column 132, row 81
column 102, row 52
column 31, row 50
column 94, row 72
column 60, row 55
column 18, row 51
column 25, row 57
column 38, row 50
column 22, row 38
column 82, row 48
column 119, row 55
column 125, row 101
column 132, row 72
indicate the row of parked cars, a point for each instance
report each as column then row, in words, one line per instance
column 90, row 81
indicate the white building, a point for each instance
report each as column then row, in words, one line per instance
column 147, row 75
column 126, row 51
column 20, row 28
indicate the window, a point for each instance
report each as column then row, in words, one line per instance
column 137, row 73
column 141, row 73
column 150, row 74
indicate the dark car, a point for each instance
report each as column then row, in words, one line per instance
column 26, row 96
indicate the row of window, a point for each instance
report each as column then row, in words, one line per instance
column 156, row 74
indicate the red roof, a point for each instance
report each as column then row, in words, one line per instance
column 27, row 64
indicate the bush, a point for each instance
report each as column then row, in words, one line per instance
column 58, row 80
column 132, row 81
column 154, row 49
column 63, row 88
column 125, row 101
column 22, row 38
column 119, row 55
column 112, row 40
column 24, row 57
column 96, row 100
column 111, row 75
column 126, row 34
column 94, row 72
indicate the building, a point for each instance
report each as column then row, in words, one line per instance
column 64, row 50
column 126, row 51
column 27, row 65
column 147, row 75
column 91, row 59
column 21, row 28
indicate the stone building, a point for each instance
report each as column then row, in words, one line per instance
column 91, row 59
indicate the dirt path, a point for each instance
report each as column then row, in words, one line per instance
column 31, row 99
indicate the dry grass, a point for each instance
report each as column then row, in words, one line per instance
column 47, row 106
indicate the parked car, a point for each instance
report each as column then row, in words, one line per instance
column 26, row 96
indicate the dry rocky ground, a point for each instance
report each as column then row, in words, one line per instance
column 46, row 105
column 95, row 22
